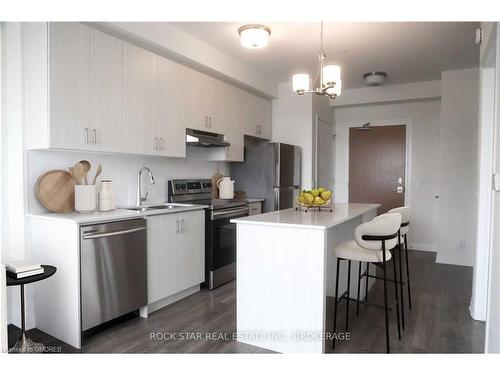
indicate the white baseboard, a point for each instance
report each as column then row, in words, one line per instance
column 422, row 247
column 456, row 261
column 174, row 298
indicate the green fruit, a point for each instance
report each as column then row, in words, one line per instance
column 319, row 201
column 321, row 190
column 315, row 193
column 301, row 199
column 326, row 195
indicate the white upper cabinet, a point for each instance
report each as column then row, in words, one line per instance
column 86, row 90
column 106, row 85
column 140, row 101
column 172, row 108
column 206, row 102
column 69, row 112
column 257, row 116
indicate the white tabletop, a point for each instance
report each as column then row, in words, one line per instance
column 312, row 219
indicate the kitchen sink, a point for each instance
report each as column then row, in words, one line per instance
column 164, row 206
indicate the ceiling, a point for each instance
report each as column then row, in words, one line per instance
column 407, row 51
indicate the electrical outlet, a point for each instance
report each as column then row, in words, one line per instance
column 461, row 245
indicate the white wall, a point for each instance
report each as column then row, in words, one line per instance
column 122, row 170
column 12, row 164
column 422, row 185
column 292, row 123
column 458, row 167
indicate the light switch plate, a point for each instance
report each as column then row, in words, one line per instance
column 496, row 181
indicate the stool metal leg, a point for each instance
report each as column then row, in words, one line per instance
column 385, row 300
column 400, row 255
column 336, row 302
column 396, row 291
column 359, row 287
column 348, row 294
column 367, row 278
column 407, row 271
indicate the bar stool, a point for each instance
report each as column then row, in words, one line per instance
column 405, row 212
column 372, row 244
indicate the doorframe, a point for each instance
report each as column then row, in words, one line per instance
column 317, row 118
column 374, row 123
column 486, row 147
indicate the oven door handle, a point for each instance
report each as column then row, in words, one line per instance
column 229, row 213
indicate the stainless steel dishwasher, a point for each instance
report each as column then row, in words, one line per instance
column 113, row 270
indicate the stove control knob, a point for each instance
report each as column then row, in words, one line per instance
column 209, row 184
column 177, row 186
column 183, row 186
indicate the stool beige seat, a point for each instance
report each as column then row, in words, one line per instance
column 372, row 244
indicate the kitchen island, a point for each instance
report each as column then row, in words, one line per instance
column 285, row 270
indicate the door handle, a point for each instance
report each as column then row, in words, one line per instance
column 110, row 234
column 399, row 190
column 94, row 132
column 86, row 136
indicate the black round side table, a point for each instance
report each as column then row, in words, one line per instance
column 25, row 344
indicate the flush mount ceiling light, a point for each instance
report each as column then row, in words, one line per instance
column 254, row 36
column 374, row 78
column 327, row 77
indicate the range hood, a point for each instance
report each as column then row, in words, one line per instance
column 200, row 138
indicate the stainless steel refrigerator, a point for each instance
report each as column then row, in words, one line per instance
column 270, row 171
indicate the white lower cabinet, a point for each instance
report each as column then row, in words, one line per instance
column 176, row 253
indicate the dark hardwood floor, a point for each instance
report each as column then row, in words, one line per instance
column 438, row 323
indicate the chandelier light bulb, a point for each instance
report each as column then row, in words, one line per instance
column 300, row 83
column 331, row 75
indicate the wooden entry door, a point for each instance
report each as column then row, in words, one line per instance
column 377, row 166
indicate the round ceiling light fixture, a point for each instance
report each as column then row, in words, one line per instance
column 374, row 78
column 254, row 36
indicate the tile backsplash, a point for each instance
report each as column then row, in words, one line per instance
column 121, row 169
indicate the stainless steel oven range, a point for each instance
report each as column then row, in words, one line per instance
column 220, row 233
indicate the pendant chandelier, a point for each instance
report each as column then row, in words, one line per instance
column 327, row 77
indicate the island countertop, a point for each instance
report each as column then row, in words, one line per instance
column 312, row 219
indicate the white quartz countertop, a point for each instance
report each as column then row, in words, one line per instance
column 312, row 219
column 118, row 214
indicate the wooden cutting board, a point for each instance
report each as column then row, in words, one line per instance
column 215, row 190
column 56, row 191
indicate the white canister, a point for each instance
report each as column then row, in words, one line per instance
column 226, row 188
column 85, row 198
column 106, row 196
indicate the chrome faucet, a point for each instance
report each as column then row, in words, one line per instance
column 140, row 198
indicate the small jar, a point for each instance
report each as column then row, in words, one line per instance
column 106, row 196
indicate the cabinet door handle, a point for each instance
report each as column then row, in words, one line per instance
column 210, row 121
column 155, row 146
column 183, row 226
column 177, row 226
column 162, row 144
column 94, row 133
column 86, row 135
